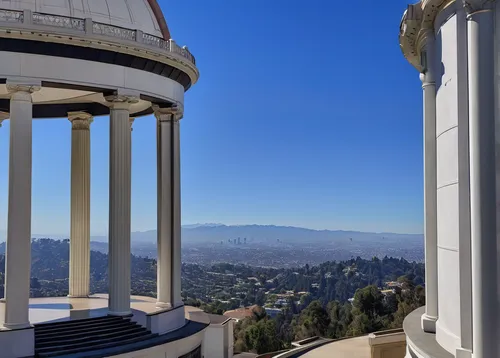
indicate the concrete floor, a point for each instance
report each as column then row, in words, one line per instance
column 53, row 309
column 358, row 347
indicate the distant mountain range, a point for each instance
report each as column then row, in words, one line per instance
column 202, row 233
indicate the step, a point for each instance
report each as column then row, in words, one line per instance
column 71, row 352
column 60, row 341
column 49, row 325
column 83, row 331
column 69, row 349
column 82, row 328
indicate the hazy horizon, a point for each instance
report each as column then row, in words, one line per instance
column 192, row 226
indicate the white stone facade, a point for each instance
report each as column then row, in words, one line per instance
column 453, row 44
column 78, row 59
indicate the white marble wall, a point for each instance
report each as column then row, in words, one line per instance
column 497, row 144
column 448, row 324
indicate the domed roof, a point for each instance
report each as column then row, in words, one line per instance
column 144, row 15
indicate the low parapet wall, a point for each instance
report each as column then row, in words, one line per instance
column 388, row 344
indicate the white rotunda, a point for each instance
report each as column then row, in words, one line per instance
column 454, row 46
column 77, row 59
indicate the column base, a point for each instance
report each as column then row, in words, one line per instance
column 463, row 353
column 124, row 313
column 17, row 343
column 16, row 326
column 163, row 305
column 428, row 323
column 77, row 296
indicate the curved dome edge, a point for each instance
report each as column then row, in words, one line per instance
column 162, row 22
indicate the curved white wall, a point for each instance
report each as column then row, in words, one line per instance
column 22, row 66
column 173, row 349
column 448, row 324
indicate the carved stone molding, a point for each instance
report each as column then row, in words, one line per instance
column 17, row 87
column 174, row 113
column 416, row 25
column 12, row 88
column 21, row 91
column 120, row 101
column 472, row 6
column 80, row 120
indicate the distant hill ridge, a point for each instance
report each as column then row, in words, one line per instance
column 194, row 233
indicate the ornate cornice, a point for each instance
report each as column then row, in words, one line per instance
column 79, row 32
column 80, row 120
column 416, row 25
column 472, row 6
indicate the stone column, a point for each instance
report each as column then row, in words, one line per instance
column 176, row 212
column 169, row 219
column 119, row 204
column 3, row 117
column 18, row 250
column 482, row 176
column 430, row 316
column 79, row 253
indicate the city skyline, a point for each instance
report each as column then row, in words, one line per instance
column 323, row 146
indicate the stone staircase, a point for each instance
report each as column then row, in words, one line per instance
column 74, row 338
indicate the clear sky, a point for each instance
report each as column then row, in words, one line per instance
column 305, row 114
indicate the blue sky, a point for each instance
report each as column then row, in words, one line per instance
column 305, row 114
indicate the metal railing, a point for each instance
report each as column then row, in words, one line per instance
column 77, row 24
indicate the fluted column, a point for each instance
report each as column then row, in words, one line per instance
column 481, row 59
column 176, row 212
column 3, row 117
column 119, row 204
column 79, row 254
column 169, row 218
column 430, row 316
column 18, row 250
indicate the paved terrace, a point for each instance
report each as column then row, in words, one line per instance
column 358, row 347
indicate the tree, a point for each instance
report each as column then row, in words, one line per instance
column 360, row 325
column 313, row 321
column 261, row 337
column 369, row 301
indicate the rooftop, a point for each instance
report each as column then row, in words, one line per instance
column 143, row 15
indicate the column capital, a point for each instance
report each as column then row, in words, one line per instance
column 473, row 6
column 21, row 91
column 22, row 87
column 121, row 101
column 427, row 79
column 174, row 113
column 80, row 120
column 3, row 117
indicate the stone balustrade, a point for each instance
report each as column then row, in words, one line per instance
column 101, row 29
